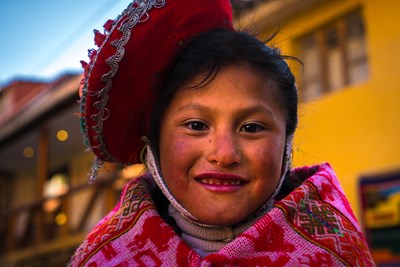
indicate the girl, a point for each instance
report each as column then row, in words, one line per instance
column 215, row 110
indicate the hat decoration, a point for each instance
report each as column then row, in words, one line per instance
column 125, row 73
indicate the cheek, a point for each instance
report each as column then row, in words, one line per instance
column 174, row 150
column 267, row 159
column 176, row 159
column 266, row 166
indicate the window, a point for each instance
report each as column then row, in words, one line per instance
column 334, row 56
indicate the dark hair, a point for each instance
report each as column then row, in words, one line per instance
column 212, row 51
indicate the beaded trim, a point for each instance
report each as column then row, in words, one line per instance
column 136, row 12
column 287, row 164
column 154, row 169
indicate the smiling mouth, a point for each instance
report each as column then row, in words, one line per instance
column 225, row 182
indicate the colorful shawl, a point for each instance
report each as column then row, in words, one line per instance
column 311, row 226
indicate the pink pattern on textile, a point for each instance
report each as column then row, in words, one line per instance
column 134, row 201
column 317, row 260
column 309, row 227
column 332, row 192
column 257, row 247
column 323, row 218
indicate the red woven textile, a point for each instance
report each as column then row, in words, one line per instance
column 311, row 226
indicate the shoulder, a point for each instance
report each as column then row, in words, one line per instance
column 301, row 174
column 135, row 200
column 320, row 213
column 319, row 183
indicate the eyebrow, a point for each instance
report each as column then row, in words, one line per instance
column 244, row 112
column 257, row 109
column 192, row 107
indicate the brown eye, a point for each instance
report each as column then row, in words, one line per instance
column 252, row 128
column 196, row 126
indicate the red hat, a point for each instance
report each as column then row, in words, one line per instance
column 119, row 87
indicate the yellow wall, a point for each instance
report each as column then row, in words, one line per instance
column 357, row 129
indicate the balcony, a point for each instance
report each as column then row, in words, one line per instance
column 47, row 232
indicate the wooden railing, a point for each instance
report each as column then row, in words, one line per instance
column 30, row 231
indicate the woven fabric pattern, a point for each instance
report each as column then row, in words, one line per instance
column 311, row 226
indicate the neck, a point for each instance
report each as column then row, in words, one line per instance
column 206, row 239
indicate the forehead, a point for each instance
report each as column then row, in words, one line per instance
column 242, row 79
column 238, row 86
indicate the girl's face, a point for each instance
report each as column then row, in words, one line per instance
column 222, row 145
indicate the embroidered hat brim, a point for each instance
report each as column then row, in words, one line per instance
column 124, row 75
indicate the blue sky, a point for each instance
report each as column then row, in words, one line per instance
column 42, row 39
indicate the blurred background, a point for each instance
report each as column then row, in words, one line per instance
column 349, row 115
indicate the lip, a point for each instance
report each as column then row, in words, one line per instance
column 221, row 182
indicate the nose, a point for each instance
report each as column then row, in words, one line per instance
column 224, row 149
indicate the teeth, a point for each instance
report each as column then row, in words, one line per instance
column 220, row 182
